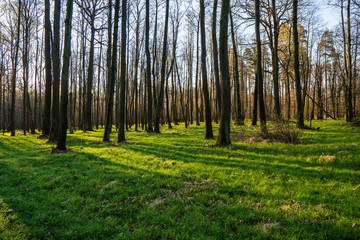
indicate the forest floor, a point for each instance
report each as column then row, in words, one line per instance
column 176, row 185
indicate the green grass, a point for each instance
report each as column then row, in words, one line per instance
column 176, row 185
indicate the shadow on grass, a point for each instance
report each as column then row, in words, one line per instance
column 82, row 195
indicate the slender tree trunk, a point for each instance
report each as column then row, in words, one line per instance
column 216, row 59
column 148, row 68
column 98, row 88
column 56, row 72
column 13, row 77
column 238, row 115
column 121, row 133
column 300, row 109
column 197, row 77
column 160, row 102
column 90, row 78
column 208, row 125
column 61, row 141
column 259, row 73
column 224, row 128
column 350, row 114
column 275, row 61
column 48, row 71
column 111, row 81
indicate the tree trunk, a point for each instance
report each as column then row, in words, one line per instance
column 121, row 133
column 61, row 141
column 300, row 110
column 216, row 59
column 163, row 67
column 275, row 61
column 90, row 78
column 111, row 81
column 148, row 68
column 238, row 116
column 209, row 132
column 224, row 128
column 48, row 72
column 56, row 72
column 13, row 77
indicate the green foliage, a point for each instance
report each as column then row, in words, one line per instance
column 175, row 185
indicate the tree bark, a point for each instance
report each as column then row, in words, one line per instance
column 300, row 110
column 48, row 72
column 13, row 77
column 121, row 133
column 163, row 67
column 111, row 81
column 148, row 68
column 208, row 125
column 224, row 128
column 61, row 141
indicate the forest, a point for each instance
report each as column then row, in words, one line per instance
column 179, row 119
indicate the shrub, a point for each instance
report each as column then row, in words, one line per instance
column 284, row 133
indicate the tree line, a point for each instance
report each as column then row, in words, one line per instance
column 145, row 64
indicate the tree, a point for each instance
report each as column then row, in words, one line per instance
column 121, row 133
column 111, row 81
column 300, row 109
column 259, row 73
column 239, row 119
column 56, row 72
column 90, row 10
column 63, row 120
column 160, row 101
column 148, row 68
column 208, row 126
column 224, row 128
column 48, row 73
column 216, row 58
column 13, row 77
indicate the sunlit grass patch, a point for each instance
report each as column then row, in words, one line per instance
column 175, row 185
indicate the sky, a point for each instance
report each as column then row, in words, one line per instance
column 330, row 17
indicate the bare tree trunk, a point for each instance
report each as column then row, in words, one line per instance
column 216, row 60
column 61, row 141
column 56, row 72
column 121, row 133
column 13, row 77
column 111, row 81
column 238, row 115
column 163, row 67
column 275, row 61
column 224, row 128
column 197, row 77
column 148, row 68
column 300, row 110
column 48, row 72
column 208, row 125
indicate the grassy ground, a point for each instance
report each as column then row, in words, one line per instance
column 176, row 185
